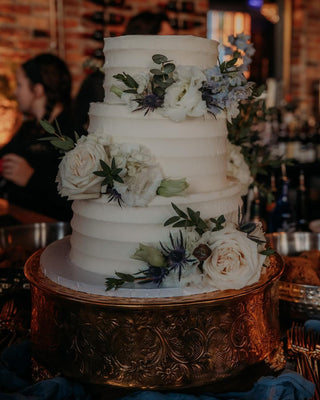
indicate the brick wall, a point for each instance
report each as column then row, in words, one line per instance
column 28, row 27
column 305, row 53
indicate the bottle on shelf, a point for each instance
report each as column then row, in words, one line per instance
column 271, row 202
column 281, row 219
column 256, row 209
column 301, row 205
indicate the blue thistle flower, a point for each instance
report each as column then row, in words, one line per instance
column 177, row 256
column 155, row 274
column 149, row 102
column 114, row 195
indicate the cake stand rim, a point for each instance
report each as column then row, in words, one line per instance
column 37, row 278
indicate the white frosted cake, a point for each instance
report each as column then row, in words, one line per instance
column 168, row 153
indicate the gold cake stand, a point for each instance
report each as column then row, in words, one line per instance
column 154, row 343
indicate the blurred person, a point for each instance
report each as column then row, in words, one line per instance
column 90, row 91
column 149, row 23
column 28, row 165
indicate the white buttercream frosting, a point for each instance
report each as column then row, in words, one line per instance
column 104, row 235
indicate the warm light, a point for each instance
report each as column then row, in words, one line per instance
column 9, row 119
column 222, row 24
column 271, row 12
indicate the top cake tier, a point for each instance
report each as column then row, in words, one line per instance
column 134, row 53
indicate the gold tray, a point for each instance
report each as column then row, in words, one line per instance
column 298, row 301
column 157, row 343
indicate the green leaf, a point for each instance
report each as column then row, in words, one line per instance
column 178, row 211
column 169, row 68
column 171, row 220
column 131, row 82
column 125, row 277
column 155, row 71
column 159, row 91
column 160, row 79
column 59, row 144
column 47, row 126
column 159, row 58
column 46, row 138
column 268, row 252
column 183, row 224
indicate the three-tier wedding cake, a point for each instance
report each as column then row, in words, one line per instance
column 152, row 200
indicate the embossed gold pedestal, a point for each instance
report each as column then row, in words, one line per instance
column 157, row 343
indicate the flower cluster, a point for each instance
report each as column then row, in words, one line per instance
column 215, row 253
column 184, row 91
column 93, row 165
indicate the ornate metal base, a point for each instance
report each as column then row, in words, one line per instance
column 159, row 343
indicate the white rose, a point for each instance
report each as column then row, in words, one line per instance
column 184, row 98
column 75, row 178
column 234, row 261
column 237, row 167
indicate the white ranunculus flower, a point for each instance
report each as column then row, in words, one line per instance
column 190, row 276
column 140, row 172
column 184, row 98
column 142, row 80
column 237, row 167
column 128, row 98
column 75, row 178
column 234, row 261
column 140, row 189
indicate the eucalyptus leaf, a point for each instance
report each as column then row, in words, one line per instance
column 159, row 58
column 159, row 91
column 169, row 68
column 155, row 71
column 160, row 80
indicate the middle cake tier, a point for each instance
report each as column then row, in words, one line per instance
column 194, row 149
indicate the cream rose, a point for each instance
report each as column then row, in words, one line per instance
column 184, row 98
column 75, row 178
column 234, row 261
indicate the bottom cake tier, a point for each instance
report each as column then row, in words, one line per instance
column 154, row 343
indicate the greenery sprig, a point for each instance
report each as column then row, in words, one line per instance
column 62, row 142
column 192, row 218
column 185, row 220
column 152, row 96
column 110, row 174
column 115, row 283
column 243, row 131
column 162, row 78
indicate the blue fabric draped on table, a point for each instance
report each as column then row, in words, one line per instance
column 14, row 385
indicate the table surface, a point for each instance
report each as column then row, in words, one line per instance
column 22, row 215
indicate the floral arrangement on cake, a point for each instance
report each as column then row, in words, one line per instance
column 216, row 254
column 178, row 92
column 128, row 173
